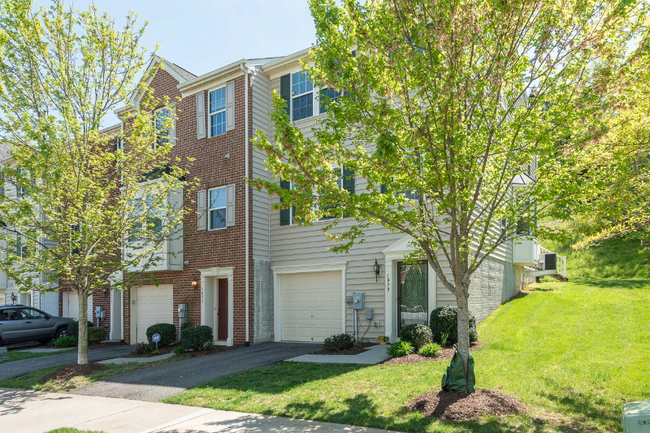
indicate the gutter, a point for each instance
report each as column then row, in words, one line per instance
column 247, row 204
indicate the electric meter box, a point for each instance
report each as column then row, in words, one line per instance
column 357, row 301
column 636, row 417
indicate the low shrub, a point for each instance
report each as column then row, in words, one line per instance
column 430, row 350
column 186, row 323
column 73, row 329
column 167, row 333
column 178, row 350
column 65, row 342
column 197, row 338
column 96, row 335
column 401, row 348
column 155, row 352
column 339, row 342
column 417, row 335
column 143, row 349
column 444, row 320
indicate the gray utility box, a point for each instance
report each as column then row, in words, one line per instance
column 357, row 301
column 636, row 417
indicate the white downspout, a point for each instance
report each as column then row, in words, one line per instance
column 246, row 207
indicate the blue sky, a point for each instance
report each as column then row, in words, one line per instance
column 203, row 35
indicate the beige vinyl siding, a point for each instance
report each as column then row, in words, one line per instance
column 295, row 246
column 261, row 107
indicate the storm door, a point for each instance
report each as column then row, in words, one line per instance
column 412, row 294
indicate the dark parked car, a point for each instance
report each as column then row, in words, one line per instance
column 19, row 323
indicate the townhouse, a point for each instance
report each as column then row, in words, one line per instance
column 250, row 272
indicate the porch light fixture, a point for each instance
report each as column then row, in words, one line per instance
column 13, row 298
column 195, row 284
column 377, row 269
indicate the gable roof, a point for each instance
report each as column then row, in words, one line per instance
column 178, row 73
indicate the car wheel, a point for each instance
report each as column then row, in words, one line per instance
column 62, row 332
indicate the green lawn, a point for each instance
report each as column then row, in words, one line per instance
column 15, row 355
column 574, row 355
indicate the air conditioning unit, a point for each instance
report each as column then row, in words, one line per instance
column 547, row 262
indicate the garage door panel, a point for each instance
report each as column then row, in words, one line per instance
column 154, row 305
column 312, row 305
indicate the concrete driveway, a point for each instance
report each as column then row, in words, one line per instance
column 9, row 370
column 35, row 412
column 161, row 381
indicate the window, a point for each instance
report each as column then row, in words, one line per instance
column 302, row 95
column 163, row 118
column 338, row 172
column 9, row 314
column 327, row 96
column 218, row 112
column 21, row 191
column 119, row 145
column 153, row 219
column 217, row 208
column 21, row 248
column 30, row 314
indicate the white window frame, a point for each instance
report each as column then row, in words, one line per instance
column 210, row 113
column 316, row 205
column 224, row 207
column 315, row 96
column 171, row 109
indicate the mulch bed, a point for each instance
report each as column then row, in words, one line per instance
column 360, row 347
column 458, row 406
column 445, row 354
column 71, row 371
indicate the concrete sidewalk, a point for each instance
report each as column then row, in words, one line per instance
column 33, row 412
column 9, row 370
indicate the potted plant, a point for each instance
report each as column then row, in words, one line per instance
column 382, row 339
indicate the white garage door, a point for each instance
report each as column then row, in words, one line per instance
column 71, row 306
column 312, row 306
column 153, row 305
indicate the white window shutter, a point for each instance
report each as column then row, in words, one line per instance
column 200, row 115
column 201, row 209
column 230, row 105
column 230, row 205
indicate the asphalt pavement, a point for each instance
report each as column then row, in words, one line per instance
column 160, row 381
column 10, row 370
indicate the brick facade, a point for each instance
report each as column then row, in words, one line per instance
column 207, row 249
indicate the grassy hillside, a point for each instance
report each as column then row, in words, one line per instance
column 612, row 259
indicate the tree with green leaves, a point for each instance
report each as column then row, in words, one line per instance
column 459, row 117
column 616, row 169
column 78, row 210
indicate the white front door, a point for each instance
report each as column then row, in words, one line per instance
column 312, row 305
column 152, row 305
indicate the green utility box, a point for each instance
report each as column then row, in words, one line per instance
column 636, row 417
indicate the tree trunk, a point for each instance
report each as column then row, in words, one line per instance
column 463, row 328
column 82, row 343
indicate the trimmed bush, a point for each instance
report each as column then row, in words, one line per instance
column 197, row 338
column 73, row 329
column 444, row 320
column 430, row 350
column 167, row 333
column 178, row 350
column 96, row 335
column 65, row 342
column 339, row 342
column 144, row 348
column 417, row 335
column 401, row 348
